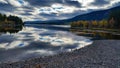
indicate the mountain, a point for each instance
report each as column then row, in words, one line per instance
column 95, row 15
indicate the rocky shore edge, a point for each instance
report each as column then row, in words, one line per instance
column 100, row 54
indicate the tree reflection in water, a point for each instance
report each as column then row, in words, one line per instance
column 99, row 35
column 11, row 29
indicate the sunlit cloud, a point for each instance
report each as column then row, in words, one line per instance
column 18, row 3
column 84, row 2
column 4, row 1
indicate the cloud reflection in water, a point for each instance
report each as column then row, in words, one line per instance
column 39, row 42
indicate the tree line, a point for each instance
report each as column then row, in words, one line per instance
column 113, row 22
column 14, row 19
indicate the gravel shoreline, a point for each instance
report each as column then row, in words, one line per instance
column 100, row 54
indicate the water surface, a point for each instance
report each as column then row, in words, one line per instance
column 38, row 40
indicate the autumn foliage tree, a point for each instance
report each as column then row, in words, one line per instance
column 113, row 22
column 90, row 24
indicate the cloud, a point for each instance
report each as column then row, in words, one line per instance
column 17, row 3
column 100, row 2
column 49, row 9
column 72, row 3
column 57, row 8
column 51, row 2
column 3, row 1
column 84, row 2
column 4, row 7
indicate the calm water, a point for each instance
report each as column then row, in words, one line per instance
column 100, row 35
column 37, row 40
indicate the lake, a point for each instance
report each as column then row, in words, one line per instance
column 30, row 41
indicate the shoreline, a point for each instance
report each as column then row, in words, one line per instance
column 100, row 54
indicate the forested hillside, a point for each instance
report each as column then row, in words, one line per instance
column 112, row 21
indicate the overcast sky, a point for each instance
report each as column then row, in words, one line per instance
column 30, row 10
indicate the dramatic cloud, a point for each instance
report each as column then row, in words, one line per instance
column 30, row 10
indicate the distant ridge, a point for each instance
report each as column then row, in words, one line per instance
column 95, row 15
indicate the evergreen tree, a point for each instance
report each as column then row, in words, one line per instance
column 116, row 16
column 15, row 19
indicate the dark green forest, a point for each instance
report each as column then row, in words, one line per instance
column 11, row 19
column 112, row 22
